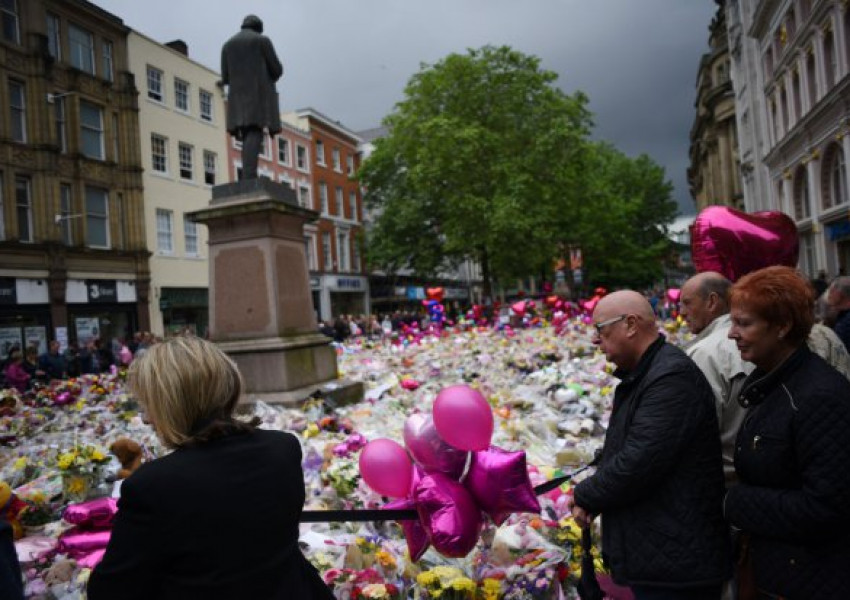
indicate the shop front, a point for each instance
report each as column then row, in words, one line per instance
column 24, row 314
column 342, row 295
column 99, row 308
column 838, row 234
column 185, row 310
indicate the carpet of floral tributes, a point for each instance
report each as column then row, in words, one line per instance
column 550, row 392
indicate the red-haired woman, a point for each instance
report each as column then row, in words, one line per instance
column 792, row 452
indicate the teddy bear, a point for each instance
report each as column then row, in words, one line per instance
column 11, row 508
column 60, row 572
column 129, row 454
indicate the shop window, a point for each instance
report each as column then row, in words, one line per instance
column 81, row 44
column 97, row 218
column 91, row 130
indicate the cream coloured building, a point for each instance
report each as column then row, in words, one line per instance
column 184, row 153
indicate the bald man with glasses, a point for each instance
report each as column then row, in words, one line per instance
column 659, row 483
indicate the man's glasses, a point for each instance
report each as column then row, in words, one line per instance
column 611, row 321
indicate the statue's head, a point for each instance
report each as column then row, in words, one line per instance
column 253, row 22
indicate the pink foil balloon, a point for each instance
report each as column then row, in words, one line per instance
column 734, row 243
column 518, row 307
column 429, row 450
column 414, row 532
column 449, row 515
column 499, row 482
column 673, row 294
column 386, row 468
column 463, row 418
column 99, row 512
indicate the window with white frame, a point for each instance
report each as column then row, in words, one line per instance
column 837, row 177
column 337, row 160
column 23, row 208
column 205, row 102
column 352, row 205
column 304, row 196
column 266, row 148
column 310, row 244
column 342, row 250
column 323, row 198
column 164, row 241
column 97, row 217
column 338, row 210
column 54, row 37
column 106, row 49
column 327, row 257
column 190, row 236
column 18, row 111
column 184, row 151
column 65, row 207
column 285, row 178
column 301, row 157
column 155, row 86
column 159, row 153
column 283, row 150
column 91, row 130
column 320, row 152
column 802, row 208
column 81, row 45
column 61, row 124
column 181, row 94
column 350, row 160
column 210, row 160
column 9, row 11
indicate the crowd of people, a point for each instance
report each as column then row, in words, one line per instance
column 723, row 472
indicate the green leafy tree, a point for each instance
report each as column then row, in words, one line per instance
column 478, row 162
column 621, row 226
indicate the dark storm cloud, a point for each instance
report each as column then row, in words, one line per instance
column 637, row 60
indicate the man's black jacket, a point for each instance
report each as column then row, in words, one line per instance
column 659, row 485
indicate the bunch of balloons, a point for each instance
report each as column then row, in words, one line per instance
column 449, row 473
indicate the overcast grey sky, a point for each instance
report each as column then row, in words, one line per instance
column 637, row 60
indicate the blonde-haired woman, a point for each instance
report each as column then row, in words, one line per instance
column 218, row 517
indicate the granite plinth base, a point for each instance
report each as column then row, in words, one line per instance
column 337, row 392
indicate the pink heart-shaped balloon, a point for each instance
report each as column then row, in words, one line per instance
column 734, row 243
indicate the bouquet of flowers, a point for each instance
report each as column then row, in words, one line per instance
column 37, row 512
column 445, row 583
column 360, row 584
column 343, row 475
column 80, row 467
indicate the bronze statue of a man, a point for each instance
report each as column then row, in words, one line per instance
column 250, row 68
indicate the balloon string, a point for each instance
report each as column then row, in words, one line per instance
column 342, row 516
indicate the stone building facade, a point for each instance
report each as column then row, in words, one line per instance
column 714, row 173
column 73, row 260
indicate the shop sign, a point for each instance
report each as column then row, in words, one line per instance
column 100, row 291
column 349, row 283
column 8, row 293
column 415, row 293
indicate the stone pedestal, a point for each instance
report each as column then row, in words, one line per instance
column 261, row 310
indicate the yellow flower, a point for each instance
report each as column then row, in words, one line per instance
column 76, row 485
column 463, row 584
column 491, row 589
column 427, row 579
column 311, row 431
column 20, row 463
column 66, row 460
column 385, row 559
column 98, row 456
